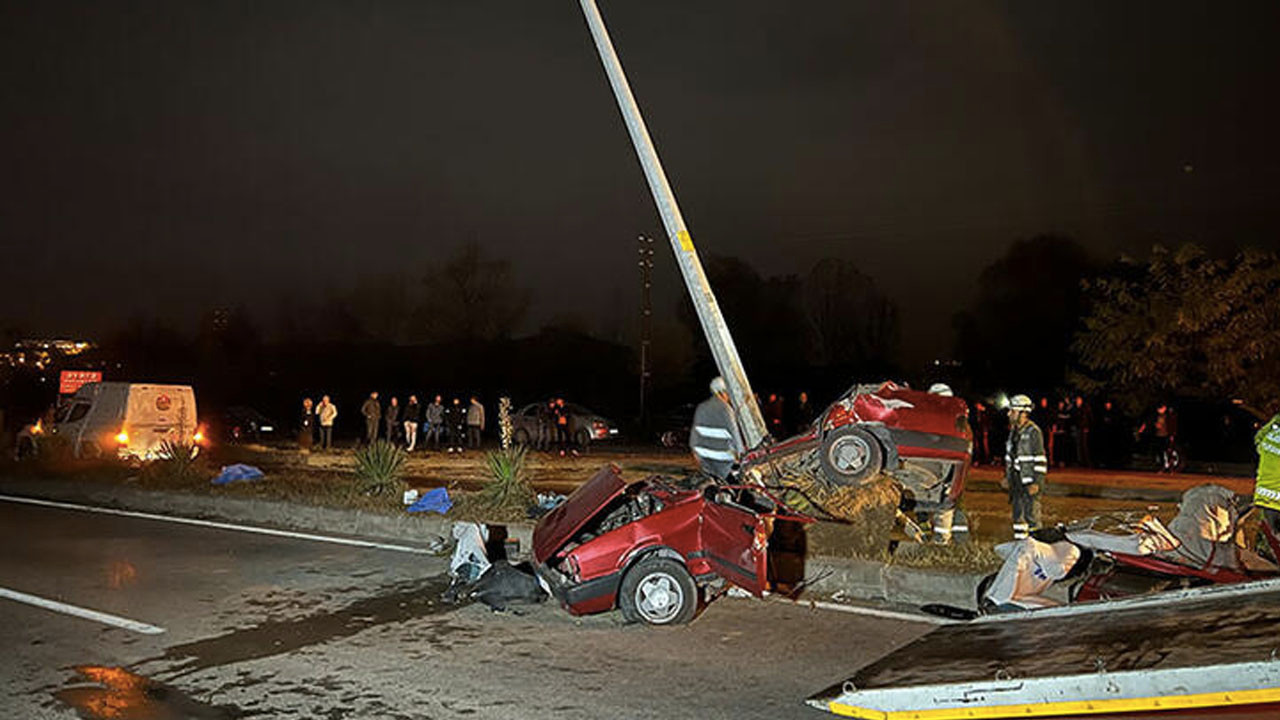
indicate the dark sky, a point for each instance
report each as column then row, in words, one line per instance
column 167, row 157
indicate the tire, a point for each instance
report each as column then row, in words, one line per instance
column 851, row 456
column 89, row 451
column 521, row 437
column 583, row 439
column 658, row 591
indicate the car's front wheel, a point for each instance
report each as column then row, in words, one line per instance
column 850, row 456
column 658, row 591
column 521, row 437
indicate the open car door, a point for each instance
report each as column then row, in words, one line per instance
column 735, row 534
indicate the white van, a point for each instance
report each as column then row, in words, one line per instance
column 128, row 420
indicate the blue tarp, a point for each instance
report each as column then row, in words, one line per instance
column 436, row 500
column 233, row 473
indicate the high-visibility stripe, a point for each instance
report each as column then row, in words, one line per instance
column 1028, row 480
column 713, row 454
column 713, row 432
column 1068, row 708
column 1040, row 468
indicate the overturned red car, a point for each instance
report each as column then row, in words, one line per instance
column 651, row 548
column 921, row 439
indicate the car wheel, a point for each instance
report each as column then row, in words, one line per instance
column 89, row 451
column 850, row 456
column 521, row 437
column 583, row 439
column 658, row 591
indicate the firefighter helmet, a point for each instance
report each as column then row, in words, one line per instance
column 1021, row 403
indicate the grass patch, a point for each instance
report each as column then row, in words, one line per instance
column 976, row 556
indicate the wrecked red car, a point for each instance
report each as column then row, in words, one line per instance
column 651, row 548
column 920, row 439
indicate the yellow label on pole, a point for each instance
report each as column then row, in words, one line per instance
column 686, row 242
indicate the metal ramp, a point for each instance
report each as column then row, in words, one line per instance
column 1204, row 653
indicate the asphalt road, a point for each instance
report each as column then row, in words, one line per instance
column 258, row 626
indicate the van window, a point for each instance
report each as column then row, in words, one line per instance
column 77, row 413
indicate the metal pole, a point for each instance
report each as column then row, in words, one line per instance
column 723, row 350
column 646, row 316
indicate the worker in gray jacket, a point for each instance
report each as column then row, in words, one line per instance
column 715, row 438
column 1025, row 466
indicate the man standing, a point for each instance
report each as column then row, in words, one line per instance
column 326, row 413
column 412, row 412
column 543, row 416
column 715, row 438
column 1025, row 466
column 435, row 423
column 560, row 414
column 372, row 411
column 475, row 422
column 1266, row 493
column 392, row 419
column 456, row 417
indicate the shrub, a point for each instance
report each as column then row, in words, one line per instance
column 379, row 467
column 175, row 462
column 507, row 489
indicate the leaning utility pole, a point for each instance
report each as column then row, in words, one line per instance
column 704, row 301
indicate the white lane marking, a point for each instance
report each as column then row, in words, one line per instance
column 219, row 525
column 86, row 613
column 860, row 610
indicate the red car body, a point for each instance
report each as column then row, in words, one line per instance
column 924, row 439
column 584, row 548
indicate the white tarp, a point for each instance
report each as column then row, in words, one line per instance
column 469, row 560
column 1029, row 568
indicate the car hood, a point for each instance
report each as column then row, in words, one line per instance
column 558, row 526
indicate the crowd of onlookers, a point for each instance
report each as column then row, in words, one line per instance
column 1081, row 433
column 438, row 425
column 450, row 426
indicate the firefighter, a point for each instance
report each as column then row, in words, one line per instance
column 1266, row 493
column 1025, row 466
column 715, row 438
column 942, row 521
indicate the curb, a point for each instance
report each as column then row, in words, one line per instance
column 839, row 578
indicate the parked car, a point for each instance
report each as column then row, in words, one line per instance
column 650, row 547
column 922, row 440
column 585, row 426
column 245, row 424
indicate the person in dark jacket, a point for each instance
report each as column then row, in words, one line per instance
column 372, row 412
column 435, row 423
column 392, row 419
column 544, row 416
column 307, row 426
column 456, row 418
column 412, row 413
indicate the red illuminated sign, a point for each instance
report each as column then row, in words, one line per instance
column 71, row 380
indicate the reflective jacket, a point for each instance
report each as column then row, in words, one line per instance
column 1025, row 463
column 1267, row 492
column 715, row 438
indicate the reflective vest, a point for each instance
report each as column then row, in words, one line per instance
column 715, row 438
column 1024, row 459
column 1267, row 492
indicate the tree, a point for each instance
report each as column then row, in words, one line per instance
column 1184, row 324
column 853, row 324
column 1018, row 333
column 474, row 298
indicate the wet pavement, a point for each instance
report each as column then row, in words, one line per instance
column 260, row 626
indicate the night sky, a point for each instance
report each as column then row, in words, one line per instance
column 163, row 158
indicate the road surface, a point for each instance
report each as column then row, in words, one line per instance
column 281, row 627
